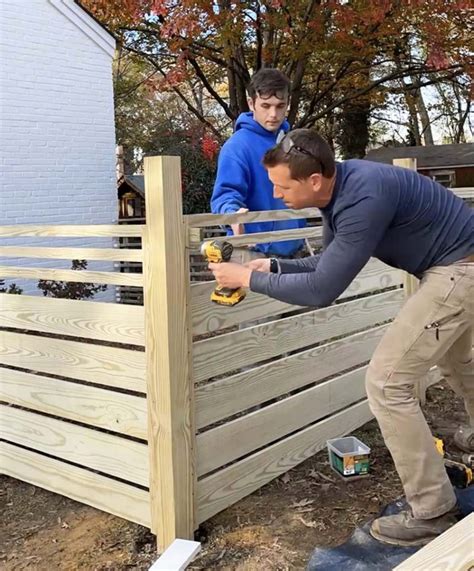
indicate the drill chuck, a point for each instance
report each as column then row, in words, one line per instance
column 217, row 251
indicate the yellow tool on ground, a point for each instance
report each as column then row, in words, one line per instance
column 218, row 251
column 459, row 474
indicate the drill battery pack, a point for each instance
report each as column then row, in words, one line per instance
column 227, row 296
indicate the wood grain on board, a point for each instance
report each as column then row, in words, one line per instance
column 84, row 276
column 103, row 365
column 234, row 439
column 111, row 496
column 227, row 352
column 93, row 449
column 116, row 322
column 231, row 395
column 227, row 486
column 62, row 253
column 110, row 410
column 208, row 316
column 73, row 230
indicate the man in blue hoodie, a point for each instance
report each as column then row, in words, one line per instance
column 242, row 183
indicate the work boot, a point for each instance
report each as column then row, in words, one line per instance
column 464, row 438
column 404, row 529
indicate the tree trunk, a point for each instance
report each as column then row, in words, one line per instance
column 354, row 130
column 426, row 132
column 411, row 106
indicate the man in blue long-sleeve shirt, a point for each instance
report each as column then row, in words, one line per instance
column 409, row 222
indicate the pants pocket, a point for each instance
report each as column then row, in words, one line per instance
column 442, row 322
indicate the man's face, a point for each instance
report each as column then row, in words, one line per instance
column 295, row 193
column 269, row 112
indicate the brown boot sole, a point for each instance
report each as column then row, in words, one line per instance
column 404, row 543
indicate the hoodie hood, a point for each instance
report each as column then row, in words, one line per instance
column 246, row 121
column 242, row 181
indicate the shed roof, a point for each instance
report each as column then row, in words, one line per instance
column 432, row 156
column 135, row 181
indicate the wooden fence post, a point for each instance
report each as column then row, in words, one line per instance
column 410, row 286
column 171, row 434
column 410, row 283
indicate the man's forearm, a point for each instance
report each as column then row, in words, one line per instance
column 301, row 265
column 295, row 288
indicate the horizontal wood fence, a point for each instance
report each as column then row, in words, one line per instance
column 167, row 413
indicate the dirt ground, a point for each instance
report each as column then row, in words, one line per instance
column 276, row 528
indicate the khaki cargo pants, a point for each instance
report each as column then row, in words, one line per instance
column 434, row 327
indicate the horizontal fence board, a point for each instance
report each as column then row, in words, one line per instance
column 207, row 219
column 235, row 439
column 90, row 319
column 195, row 238
column 110, row 254
column 203, row 220
column 453, row 550
column 109, row 366
column 208, row 316
column 95, row 490
column 72, row 230
column 464, row 192
column 82, row 276
column 227, row 352
column 98, row 407
column 223, row 398
column 90, row 448
column 224, row 488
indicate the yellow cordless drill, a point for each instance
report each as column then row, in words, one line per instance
column 218, row 251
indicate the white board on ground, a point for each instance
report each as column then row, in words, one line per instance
column 178, row 555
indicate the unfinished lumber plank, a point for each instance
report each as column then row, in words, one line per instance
column 231, row 395
column 262, row 237
column 410, row 282
column 109, row 366
column 93, row 449
column 227, row 352
column 209, row 316
column 118, row 323
column 451, row 551
column 95, row 490
column 168, row 342
column 61, row 253
column 227, row 486
column 203, row 220
column 73, row 230
column 83, row 276
column 467, row 193
column 97, row 407
column 226, row 443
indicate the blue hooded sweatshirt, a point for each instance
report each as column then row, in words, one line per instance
column 242, row 182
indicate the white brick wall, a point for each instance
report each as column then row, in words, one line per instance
column 57, row 121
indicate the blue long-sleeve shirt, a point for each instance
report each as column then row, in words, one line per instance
column 242, row 182
column 394, row 214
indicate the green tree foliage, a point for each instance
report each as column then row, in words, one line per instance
column 70, row 290
column 12, row 288
column 198, row 152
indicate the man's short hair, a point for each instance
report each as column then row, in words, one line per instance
column 269, row 82
column 309, row 154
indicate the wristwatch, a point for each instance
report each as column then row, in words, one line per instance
column 274, row 266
